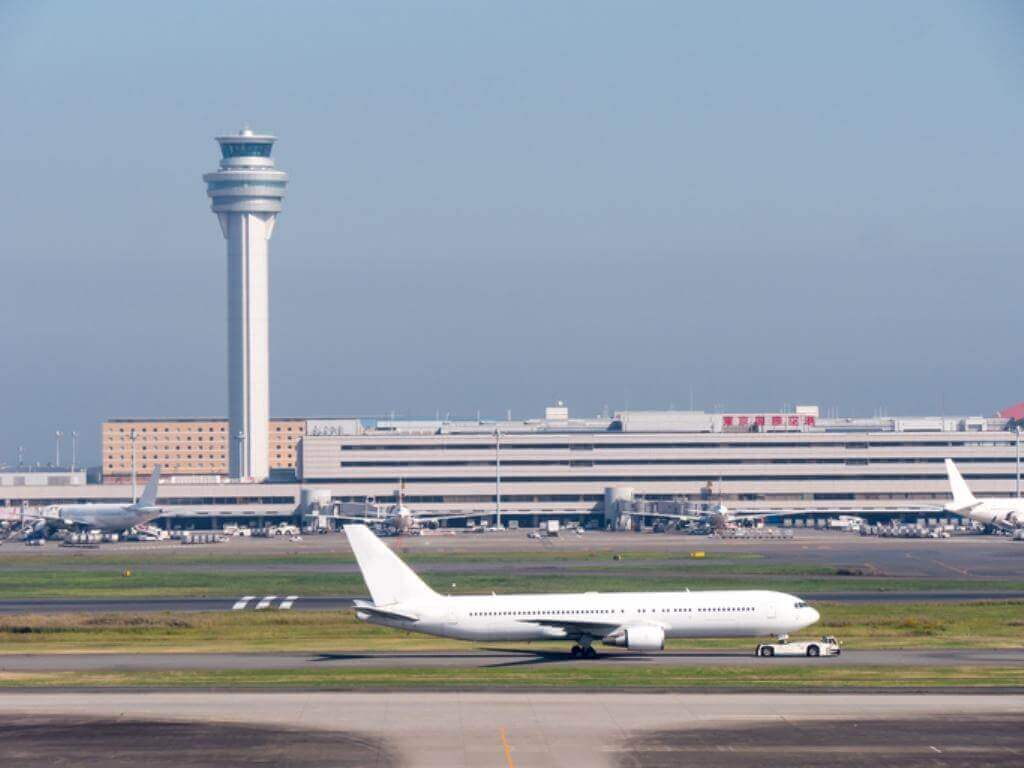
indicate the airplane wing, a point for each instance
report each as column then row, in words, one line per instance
column 673, row 515
column 577, row 627
column 964, row 510
column 451, row 516
column 363, row 520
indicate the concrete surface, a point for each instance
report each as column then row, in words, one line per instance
column 518, row 730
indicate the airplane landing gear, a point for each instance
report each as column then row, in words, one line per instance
column 585, row 651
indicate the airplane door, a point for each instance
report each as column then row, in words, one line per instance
column 771, row 610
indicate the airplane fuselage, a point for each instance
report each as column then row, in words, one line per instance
column 750, row 613
column 1000, row 513
column 108, row 518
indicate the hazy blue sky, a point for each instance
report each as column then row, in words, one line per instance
column 495, row 205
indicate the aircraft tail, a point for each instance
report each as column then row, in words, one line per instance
column 148, row 497
column 389, row 579
column 962, row 496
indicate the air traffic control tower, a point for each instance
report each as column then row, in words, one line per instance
column 246, row 195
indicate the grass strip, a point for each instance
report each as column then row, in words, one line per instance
column 981, row 624
column 94, row 584
column 819, row 675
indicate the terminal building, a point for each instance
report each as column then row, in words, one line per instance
column 781, row 461
column 557, row 466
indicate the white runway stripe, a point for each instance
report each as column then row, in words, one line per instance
column 240, row 605
column 287, row 602
column 265, row 602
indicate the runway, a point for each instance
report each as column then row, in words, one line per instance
column 496, row 657
column 509, row 730
column 344, row 602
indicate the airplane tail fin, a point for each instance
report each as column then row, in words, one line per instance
column 962, row 496
column 388, row 578
column 148, row 497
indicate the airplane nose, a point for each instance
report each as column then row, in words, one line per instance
column 814, row 615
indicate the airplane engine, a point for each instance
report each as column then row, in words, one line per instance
column 644, row 638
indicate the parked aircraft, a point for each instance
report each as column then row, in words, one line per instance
column 639, row 621
column 398, row 518
column 1006, row 513
column 105, row 517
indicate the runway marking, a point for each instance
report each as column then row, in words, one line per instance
column 508, row 749
column 961, row 571
column 936, row 749
column 265, row 602
column 240, row 605
column 287, row 602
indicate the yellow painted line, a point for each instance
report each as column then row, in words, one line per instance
column 953, row 568
column 508, row 749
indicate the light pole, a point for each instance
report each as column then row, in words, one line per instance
column 497, row 477
column 240, row 437
column 131, row 436
column 1018, row 461
column 58, row 434
column 74, row 449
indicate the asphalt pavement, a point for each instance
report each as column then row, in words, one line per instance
column 509, row 729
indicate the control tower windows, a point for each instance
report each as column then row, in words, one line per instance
column 246, row 149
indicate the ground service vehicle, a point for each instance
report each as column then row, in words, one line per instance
column 826, row 646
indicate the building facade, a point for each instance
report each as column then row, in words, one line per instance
column 557, row 466
column 186, row 448
column 751, row 461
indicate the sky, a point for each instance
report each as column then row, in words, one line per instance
column 493, row 206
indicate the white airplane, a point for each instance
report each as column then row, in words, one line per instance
column 719, row 516
column 398, row 518
column 1005, row 513
column 107, row 518
column 639, row 621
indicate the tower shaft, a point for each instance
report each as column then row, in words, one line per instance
column 246, row 195
column 249, row 343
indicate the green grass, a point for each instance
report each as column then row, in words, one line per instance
column 860, row 626
column 143, row 583
column 819, row 675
